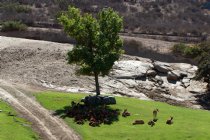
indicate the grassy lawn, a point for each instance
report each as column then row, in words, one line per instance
column 188, row 123
column 13, row 127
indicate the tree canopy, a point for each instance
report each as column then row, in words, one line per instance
column 204, row 63
column 98, row 44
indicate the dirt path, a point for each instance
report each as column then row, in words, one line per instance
column 49, row 127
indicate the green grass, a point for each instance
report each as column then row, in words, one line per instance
column 188, row 124
column 14, row 127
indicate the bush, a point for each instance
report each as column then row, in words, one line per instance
column 179, row 48
column 187, row 51
column 192, row 52
column 13, row 26
column 204, row 69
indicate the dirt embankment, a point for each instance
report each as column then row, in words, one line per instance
column 34, row 62
column 151, row 46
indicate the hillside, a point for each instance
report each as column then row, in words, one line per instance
column 43, row 64
column 171, row 17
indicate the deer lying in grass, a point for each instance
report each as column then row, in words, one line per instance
column 126, row 113
column 170, row 121
column 138, row 122
column 151, row 123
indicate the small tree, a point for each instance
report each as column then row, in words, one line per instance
column 204, row 69
column 98, row 43
column 204, row 63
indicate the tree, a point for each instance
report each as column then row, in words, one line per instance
column 204, row 69
column 98, row 44
column 204, row 63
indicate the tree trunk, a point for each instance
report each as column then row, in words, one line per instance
column 97, row 84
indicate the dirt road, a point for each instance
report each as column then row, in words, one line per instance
column 48, row 126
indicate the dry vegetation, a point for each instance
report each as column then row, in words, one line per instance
column 158, row 17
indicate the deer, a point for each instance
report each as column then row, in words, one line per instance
column 138, row 122
column 126, row 113
column 155, row 112
column 151, row 123
column 170, row 121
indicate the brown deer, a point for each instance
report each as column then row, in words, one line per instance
column 170, row 121
column 151, row 123
column 126, row 113
column 155, row 112
column 138, row 122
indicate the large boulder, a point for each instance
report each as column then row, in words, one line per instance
column 176, row 75
column 172, row 76
column 99, row 100
column 162, row 67
column 151, row 73
column 130, row 69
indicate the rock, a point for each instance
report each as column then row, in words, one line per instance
column 162, row 67
column 108, row 100
column 131, row 69
column 196, row 90
column 99, row 100
column 148, row 87
column 175, row 75
column 185, row 80
column 152, row 73
column 183, row 74
column 183, row 66
column 193, row 69
column 186, row 85
column 172, row 76
column 158, row 80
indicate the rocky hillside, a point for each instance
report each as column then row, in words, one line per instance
column 42, row 63
column 171, row 17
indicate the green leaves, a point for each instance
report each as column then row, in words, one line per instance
column 98, row 43
column 204, row 63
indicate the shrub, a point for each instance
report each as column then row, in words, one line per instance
column 13, row 26
column 204, row 69
column 179, row 48
column 192, row 52
column 187, row 51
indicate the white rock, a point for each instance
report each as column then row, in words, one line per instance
column 130, row 69
column 162, row 67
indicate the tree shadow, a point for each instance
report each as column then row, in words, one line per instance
column 136, row 48
column 204, row 100
column 95, row 115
